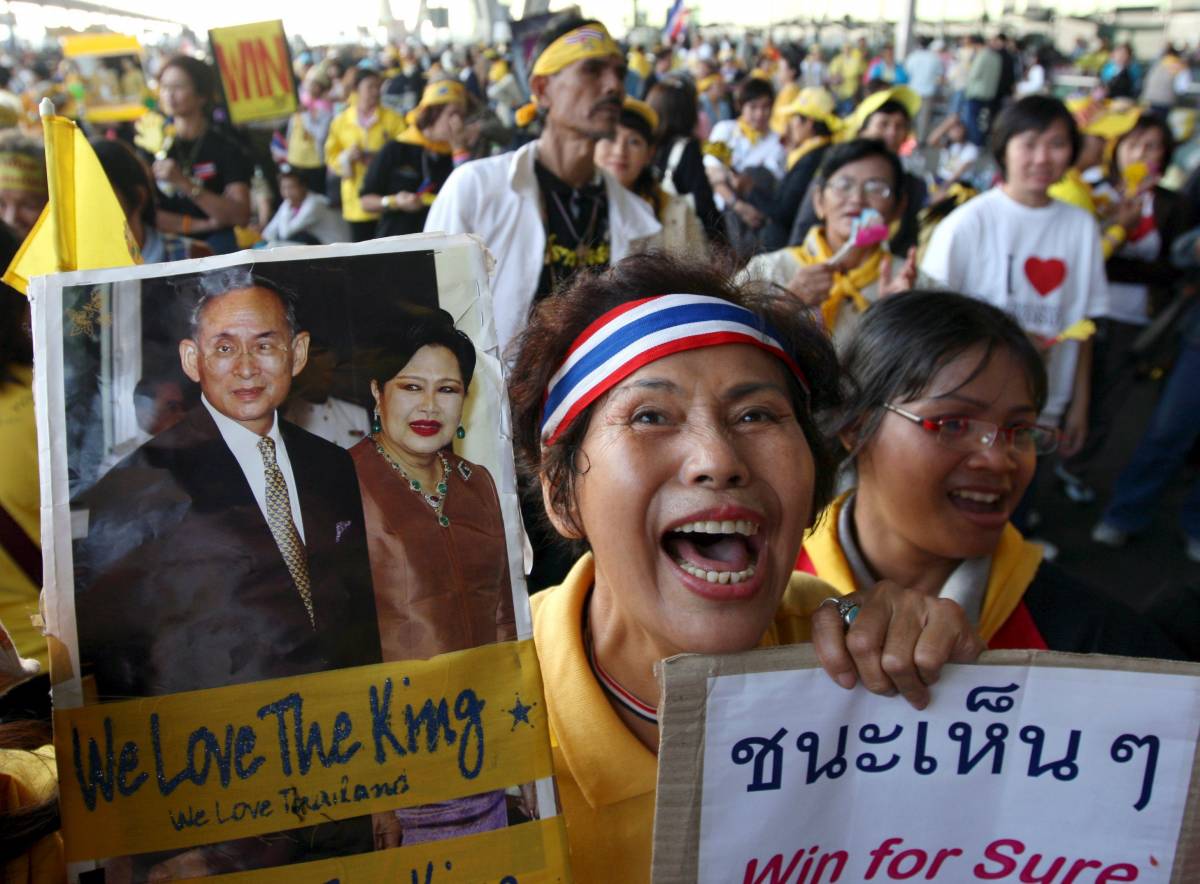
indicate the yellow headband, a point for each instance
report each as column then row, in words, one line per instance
column 20, row 171
column 643, row 110
column 706, row 83
column 586, row 41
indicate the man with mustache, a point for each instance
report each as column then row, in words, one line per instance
column 545, row 211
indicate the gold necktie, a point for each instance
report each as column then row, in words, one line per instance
column 283, row 529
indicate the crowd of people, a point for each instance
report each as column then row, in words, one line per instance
column 936, row 275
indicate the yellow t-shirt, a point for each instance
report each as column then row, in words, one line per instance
column 606, row 777
column 848, row 70
column 19, row 495
column 344, row 133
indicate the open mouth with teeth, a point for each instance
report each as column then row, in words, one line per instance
column 985, row 508
column 978, row 501
column 721, row 553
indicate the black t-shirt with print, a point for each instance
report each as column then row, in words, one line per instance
column 577, row 233
column 215, row 159
column 401, row 167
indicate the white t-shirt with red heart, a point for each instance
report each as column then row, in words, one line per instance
column 1042, row 266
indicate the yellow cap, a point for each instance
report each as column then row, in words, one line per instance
column 1111, row 124
column 909, row 99
column 815, row 103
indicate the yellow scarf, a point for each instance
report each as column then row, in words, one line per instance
column 849, row 285
column 807, row 147
column 749, row 132
column 413, row 135
column 1071, row 188
column 1014, row 563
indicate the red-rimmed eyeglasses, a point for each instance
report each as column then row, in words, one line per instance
column 968, row 434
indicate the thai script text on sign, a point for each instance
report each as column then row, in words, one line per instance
column 1013, row 773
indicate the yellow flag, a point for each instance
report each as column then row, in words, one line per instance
column 83, row 226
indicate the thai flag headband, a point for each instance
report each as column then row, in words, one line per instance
column 640, row 332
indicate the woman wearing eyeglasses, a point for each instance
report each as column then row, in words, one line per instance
column 940, row 425
column 820, row 274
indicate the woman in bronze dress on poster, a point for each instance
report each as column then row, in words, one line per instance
column 439, row 560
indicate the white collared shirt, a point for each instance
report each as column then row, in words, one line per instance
column 243, row 444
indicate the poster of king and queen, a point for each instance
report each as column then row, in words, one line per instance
column 284, row 589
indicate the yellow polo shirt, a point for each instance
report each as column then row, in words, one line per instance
column 606, row 777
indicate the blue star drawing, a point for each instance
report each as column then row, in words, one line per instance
column 520, row 713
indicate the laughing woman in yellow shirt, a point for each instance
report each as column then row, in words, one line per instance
column 355, row 136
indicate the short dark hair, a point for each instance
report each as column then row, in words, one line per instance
column 363, row 72
column 557, row 322
column 204, row 81
column 752, row 89
column 891, row 106
column 206, row 287
column 430, row 330
column 901, row 344
column 638, row 123
column 1035, row 113
column 127, row 174
column 859, row 149
column 674, row 100
column 1146, row 121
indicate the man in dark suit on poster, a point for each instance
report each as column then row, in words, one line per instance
column 229, row 548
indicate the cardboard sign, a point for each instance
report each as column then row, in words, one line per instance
column 110, row 77
column 1029, row 766
column 266, row 650
column 255, row 67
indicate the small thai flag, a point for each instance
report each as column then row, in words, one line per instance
column 676, row 23
column 584, row 35
column 278, row 147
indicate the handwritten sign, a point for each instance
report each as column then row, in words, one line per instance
column 207, row 766
column 1035, row 767
column 255, row 67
